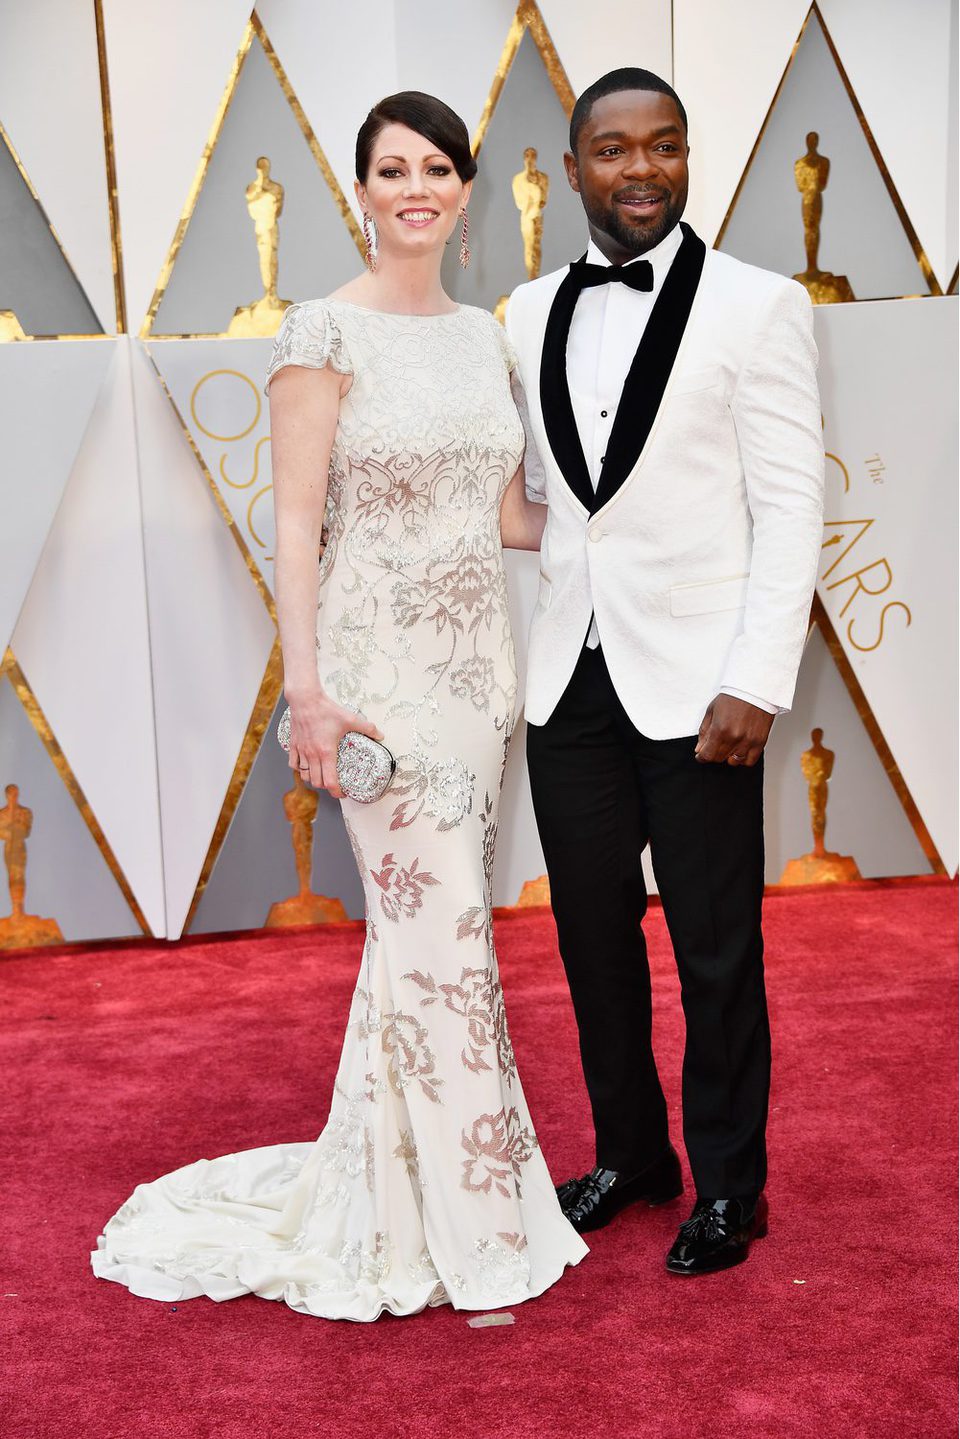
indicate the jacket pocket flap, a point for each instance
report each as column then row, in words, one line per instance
column 692, row 380
column 703, row 599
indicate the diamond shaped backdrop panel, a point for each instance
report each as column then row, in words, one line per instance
column 902, row 63
column 36, row 281
column 861, row 234
column 67, row 879
column 888, row 377
column 864, row 816
column 169, row 63
column 216, row 269
column 50, row 89
column 528, row 114
column 47, row 394
column 341, row 59
column 210, row 634
column 728, row 61
column 217, row 387
column 83, row 641
column 609, row 35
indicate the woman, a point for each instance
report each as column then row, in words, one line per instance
column 392, row 417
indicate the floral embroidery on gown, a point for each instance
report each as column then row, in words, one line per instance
column 427, row 1184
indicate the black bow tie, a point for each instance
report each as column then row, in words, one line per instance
column 638, row 275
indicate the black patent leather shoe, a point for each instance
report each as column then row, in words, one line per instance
column 718, row 1235
column 591, row 1202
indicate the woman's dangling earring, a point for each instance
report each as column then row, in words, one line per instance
column 369, row 233
column 464, row 247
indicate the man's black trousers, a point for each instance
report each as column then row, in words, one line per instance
column 601, row 792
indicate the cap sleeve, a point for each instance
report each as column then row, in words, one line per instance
column 506, row 349
column 309, row 336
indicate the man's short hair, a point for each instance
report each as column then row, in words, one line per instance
column 627, row 78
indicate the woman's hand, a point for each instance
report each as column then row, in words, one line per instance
column 317, row 726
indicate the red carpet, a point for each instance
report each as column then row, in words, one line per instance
column 121, row 1064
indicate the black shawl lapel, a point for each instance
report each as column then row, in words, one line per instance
column 649, row 374
column 558, row 416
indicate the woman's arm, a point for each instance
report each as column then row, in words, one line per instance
column 304, row 405
column 521, row 520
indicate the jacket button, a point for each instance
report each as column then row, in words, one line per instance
column 595, row 535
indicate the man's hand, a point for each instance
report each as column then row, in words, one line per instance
column 733, row 732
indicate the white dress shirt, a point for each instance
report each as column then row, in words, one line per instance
column 607, row 326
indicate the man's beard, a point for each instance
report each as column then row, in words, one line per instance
column 613, row 223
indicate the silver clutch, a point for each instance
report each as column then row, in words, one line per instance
column 365, row 767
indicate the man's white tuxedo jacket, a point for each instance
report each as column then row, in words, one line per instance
column 698, row 550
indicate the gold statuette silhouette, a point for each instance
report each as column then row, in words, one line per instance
column 530, row 190
column 820, row 866
column 265, row 205
column 300, row 807
column 811, row 173
column 19, row 930
column 535, row 892
column 10, row 327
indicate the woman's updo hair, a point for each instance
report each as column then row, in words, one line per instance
column 426, row 115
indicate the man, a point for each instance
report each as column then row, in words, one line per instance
column 673, row 403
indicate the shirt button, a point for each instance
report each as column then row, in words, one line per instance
column 603, row 414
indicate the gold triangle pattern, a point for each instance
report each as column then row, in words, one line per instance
column 911, row 234
column 260, row 716
column 116, row 246
column 527, row 18
column 254, row 28
column 820, row 618
column 10, row 334
column 10, row 669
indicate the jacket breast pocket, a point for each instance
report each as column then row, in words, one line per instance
column 709, row 596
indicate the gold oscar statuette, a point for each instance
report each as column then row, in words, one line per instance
column 535, row 892
column 820, row 866
column 530, row 190
column 265, row 205
column 300, row 807
column 19, row 930
column 811, row 173
column 10, row 327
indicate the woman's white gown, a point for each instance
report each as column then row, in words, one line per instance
column 427, row 1184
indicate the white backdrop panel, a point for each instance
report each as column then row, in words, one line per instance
column 169, row 65
column 888, row 375
column 83, row 641
column 339, row 59
column 610, row 35
column 50, row 108
column 727, row 64
column 217, row 386
column 864, row 816
column 210, row 639
column 47, row 394
column 454, row 57
column 902, row 62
